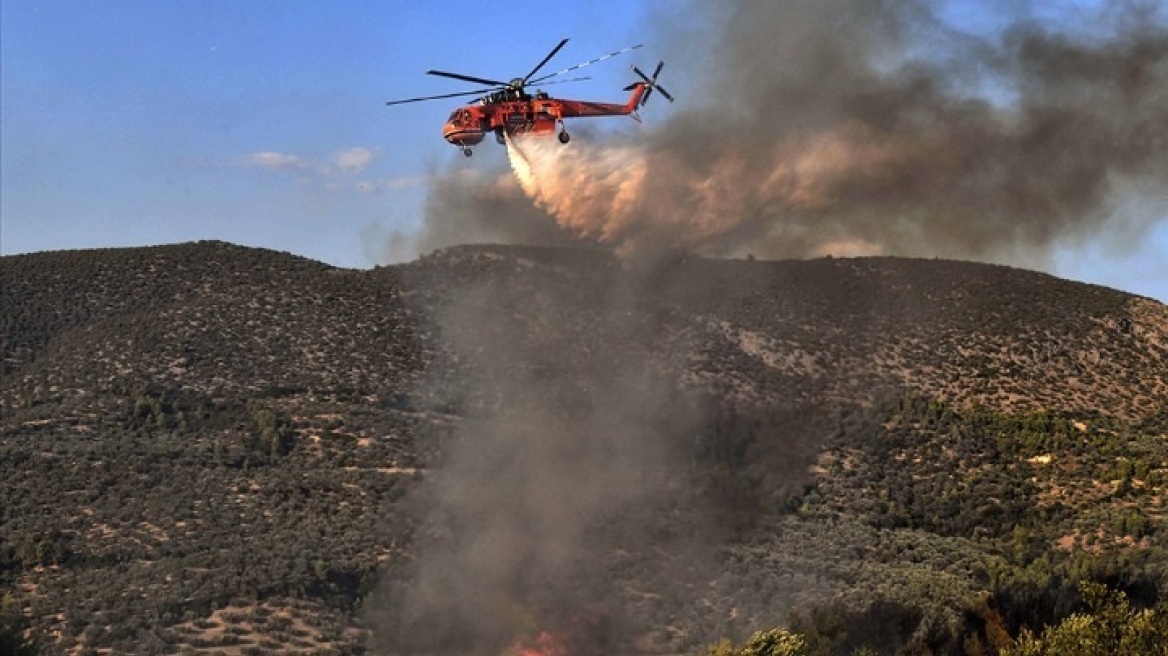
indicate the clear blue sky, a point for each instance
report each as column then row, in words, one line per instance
column 128, row 123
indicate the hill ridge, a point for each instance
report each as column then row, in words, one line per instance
column 251, row 442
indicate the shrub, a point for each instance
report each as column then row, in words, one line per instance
column 1110, row 626
column 776, row 642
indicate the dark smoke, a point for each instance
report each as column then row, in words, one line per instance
column 859, row 126
column 564, row 447
column 845, row 126
column 484, row 208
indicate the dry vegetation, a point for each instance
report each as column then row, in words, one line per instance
column 210, row 449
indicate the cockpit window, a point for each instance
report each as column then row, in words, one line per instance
column 456, row 117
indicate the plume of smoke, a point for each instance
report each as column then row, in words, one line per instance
column 634, row 197
column 861, row 127
column 529, row 500
column 469, row 207
column 841, row 126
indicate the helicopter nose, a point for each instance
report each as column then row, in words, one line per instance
column 461, row 135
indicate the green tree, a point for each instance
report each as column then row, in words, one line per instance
column 273, row 434
column 1110, row 626
column 776, row 642
column 12, row 628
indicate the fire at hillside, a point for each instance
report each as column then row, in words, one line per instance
column 852, row 128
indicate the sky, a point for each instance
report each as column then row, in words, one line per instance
column 263, row 123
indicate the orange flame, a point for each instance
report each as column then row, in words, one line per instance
column 544, row 644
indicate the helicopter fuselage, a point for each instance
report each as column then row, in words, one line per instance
column 510, row 112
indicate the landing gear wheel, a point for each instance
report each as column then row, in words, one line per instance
column 467, row 151
column 499, row 138
column 564, row 138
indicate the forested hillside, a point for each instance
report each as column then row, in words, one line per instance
column 501, row 450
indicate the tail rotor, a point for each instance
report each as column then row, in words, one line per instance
column 651, row 83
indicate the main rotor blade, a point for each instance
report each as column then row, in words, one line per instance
column 468, row 78
column 545, row 60
column 574, row 79
column 590, row 61
column 445, row 95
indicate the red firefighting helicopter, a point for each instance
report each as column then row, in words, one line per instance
column 507, row 109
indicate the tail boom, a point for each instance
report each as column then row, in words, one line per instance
column 581, row 108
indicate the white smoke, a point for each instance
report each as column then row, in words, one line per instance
column 631, row 196
column 851, row 127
